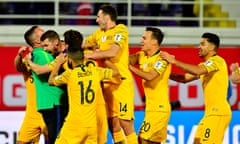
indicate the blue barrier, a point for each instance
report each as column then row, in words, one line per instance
column 183, row 124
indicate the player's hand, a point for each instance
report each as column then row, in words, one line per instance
column 234, row 67
column 62, row 58
column 168, row 57
column 23, row 51
column 28, row 56
column 131, row 67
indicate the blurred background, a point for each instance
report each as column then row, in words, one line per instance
column 182, row 21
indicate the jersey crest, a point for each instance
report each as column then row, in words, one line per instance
column 118, row 37
column 208, row 63
column 104, row 38
column 158, row 65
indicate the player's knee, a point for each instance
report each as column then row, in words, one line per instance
column 127, row 125
column 114, row 124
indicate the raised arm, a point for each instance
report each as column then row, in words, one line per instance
column 18, row 63
column 62, row 58
column 235, row 73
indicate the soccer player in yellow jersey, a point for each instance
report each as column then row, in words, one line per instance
column 214, row 76
column 235, row 73
column 155, row 73
column 83, row 85
column 102, row 127
column 33, row 125
column 69, row 36
column 112, row 42
column 50, row 99
column 102, row 124
column 51, row 43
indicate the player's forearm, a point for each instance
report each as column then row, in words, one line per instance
column 178, row 78
column 19, row 65
column 183, row 78
column 99, row 55
column 192, row 69
column 38, row 69
column 17, row 62
column 54, row 73
column 141, row 74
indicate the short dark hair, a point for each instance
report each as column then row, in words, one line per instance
column 76, row 55
column 212, row 38
column 156, row 34
column 73, row 39
column 109, row 10
column 28, row 35
column 51, row 35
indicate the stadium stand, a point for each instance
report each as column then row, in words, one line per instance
column 212, row 10
column 182, row 21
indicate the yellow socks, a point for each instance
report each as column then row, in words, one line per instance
column 119, row 137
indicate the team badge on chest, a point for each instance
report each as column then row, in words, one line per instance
column 104, row 38
column 145, row 66
column 158, row 65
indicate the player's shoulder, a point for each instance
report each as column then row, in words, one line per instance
column 140, row 54
column 216, row 58
column 99, row 30
column 219, row 58
column 121, row 27
column 40, row 51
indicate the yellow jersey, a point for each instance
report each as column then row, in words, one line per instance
column 117, row 35
column 83, row 84
column 215, row 85
column 156, row 90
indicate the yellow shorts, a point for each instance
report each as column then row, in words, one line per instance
column 72, row 134
column 32, row 127
column 211, row 129
column 154, row 126
column 120, row 99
